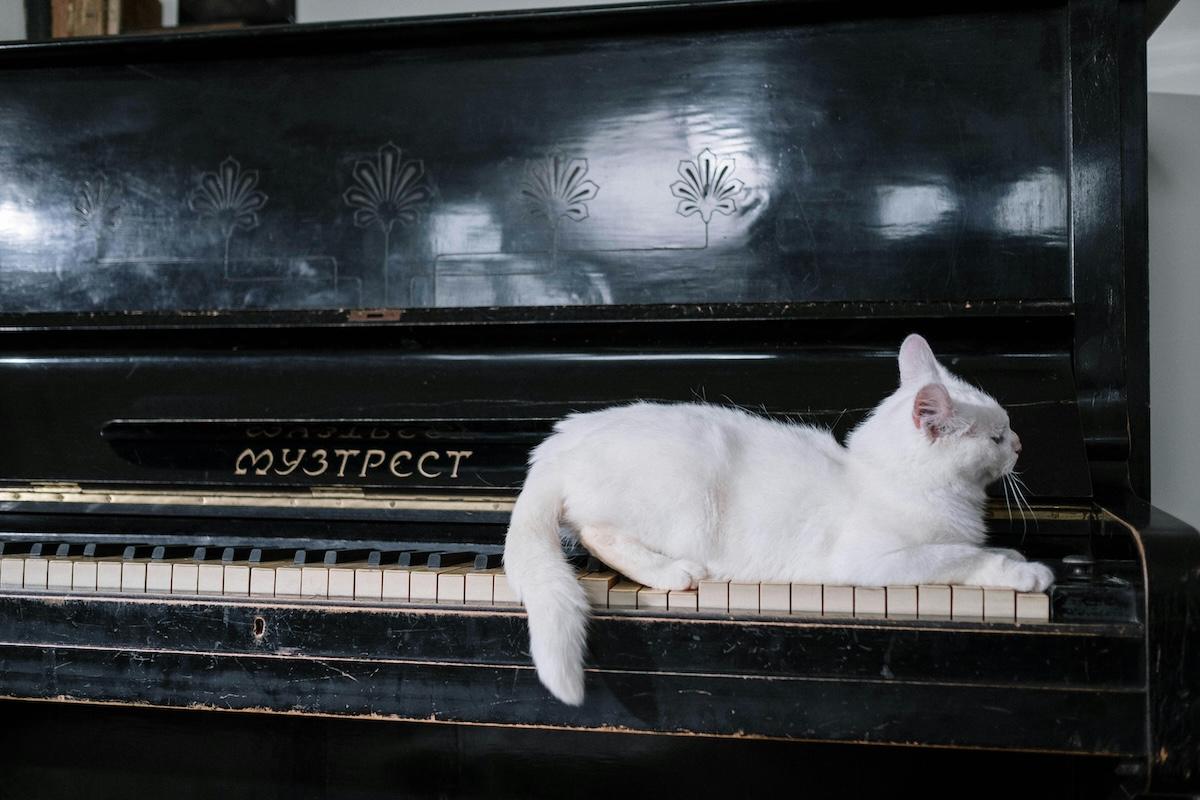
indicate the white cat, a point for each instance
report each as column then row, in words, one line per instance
column 671, row 494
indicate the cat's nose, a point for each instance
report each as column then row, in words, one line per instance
column 1016, row 444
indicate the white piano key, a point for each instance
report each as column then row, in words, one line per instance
column 210, row 579
column 423, row 582
column 314, row 582
column 289, row 580
column 775, row 598
column 452, row 586
column 902, row 602
column 158, row 577
column 623, row 594
column 83, row 576
column 683, row 600
column 870, row 602
column 133, row 576
column 12, row 572
column 806, row 599
column 368, row 583
column 1033, row 607
column 185, row 578
column 237, row 580
column 652, row 598
column 743, row 597
column 502, row 592
column 397, row 584
column 966, row 602
column 933, row 601
column 341, row 582
column 479, row 587
column 837, row 601
column 262, row 581
column 58, row 574
column 713, row 595
column 35, row 573
column 999, row 604
column 108, row 576
column 596, row 586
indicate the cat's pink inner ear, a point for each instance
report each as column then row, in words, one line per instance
column 932, row 409
column 917, row 362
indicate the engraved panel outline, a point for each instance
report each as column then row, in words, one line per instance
column 230, row 197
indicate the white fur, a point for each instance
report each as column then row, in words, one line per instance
column 670, row 494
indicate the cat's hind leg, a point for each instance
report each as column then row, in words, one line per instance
column 634, row 560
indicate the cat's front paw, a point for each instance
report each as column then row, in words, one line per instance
column 683, row 575
column 1027, row 576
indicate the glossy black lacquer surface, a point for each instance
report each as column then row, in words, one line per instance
column 730, row 157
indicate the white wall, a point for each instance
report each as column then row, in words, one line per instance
column 1173, row 74
column 12, row 20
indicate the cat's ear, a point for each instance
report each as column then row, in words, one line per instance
column 917, row 363
column 932, row 410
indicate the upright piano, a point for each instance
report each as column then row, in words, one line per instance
column 284, row 310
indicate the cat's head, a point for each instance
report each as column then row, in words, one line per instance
column 936, row 427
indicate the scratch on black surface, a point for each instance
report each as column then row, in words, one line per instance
column 343, row 673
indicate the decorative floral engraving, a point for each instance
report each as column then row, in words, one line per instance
column 554, row 187
column 97, row 206
column 388, row 190
column 229, row 197
column 707, row 187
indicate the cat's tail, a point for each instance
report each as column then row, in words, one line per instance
column 543, row 579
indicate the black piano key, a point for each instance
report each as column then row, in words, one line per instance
column 335, row 557
column 259, row 555
column 137, row 551
column 596, row 565
column 43, row 549
column 488, row 560
column 15, row 548
column 205, row 553
column 230, row 554
column 383, row 558
column 581, row 561
column 103, row 549
column 413, row 558
column 68, row 549
column 163, row 552
column 309, row 557
column 449, row 558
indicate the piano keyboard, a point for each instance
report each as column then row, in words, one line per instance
column 466, row 579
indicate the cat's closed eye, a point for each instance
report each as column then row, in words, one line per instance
column 998, row 439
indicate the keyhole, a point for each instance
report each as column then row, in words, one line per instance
column 260, row 627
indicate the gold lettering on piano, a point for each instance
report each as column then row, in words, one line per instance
column 353, row 463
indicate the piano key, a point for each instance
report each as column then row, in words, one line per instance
column 35, row 572
column 83, row 576
column 775, row 598
column 15, row 548
column 207, row 553
column 210, row 577
column 103, row 549
column 870, row 602
column 623, row 594
column 713, row 595
column 1032, row 607
column 448, row 558
column 837, row 601
column 489, row 561
column 502, row 592
column 966, row 602
column 412, row 558
column 137, row 551
column 397, row 584
column 683, row 600
column 999, row 604
column 133, row 575
column 237, row 575
column 43, row 549
column 423, row 582
column 58, row 573
column 597, row 587
column 108, row 574
column 341, row 579
column 308, row 558
column 596, row 565
column 68, row 550
column 479, row 585
column 743, row 597
column 452, row 586
column 288, row 579
column 262, row 577
column 933, row 601
column 368, row 584
column 185, row 578
column 336, row 557
column 231, row 554
column 652, row 598
column 158, row 576
column 171, row 552
column 807, row 600
column 265, row 555
column 902, row 602
column 314, row 581
column 384, row 558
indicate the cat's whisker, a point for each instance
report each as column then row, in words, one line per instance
column 1007, row 504
column 1017, row 495
column 1018, row 483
